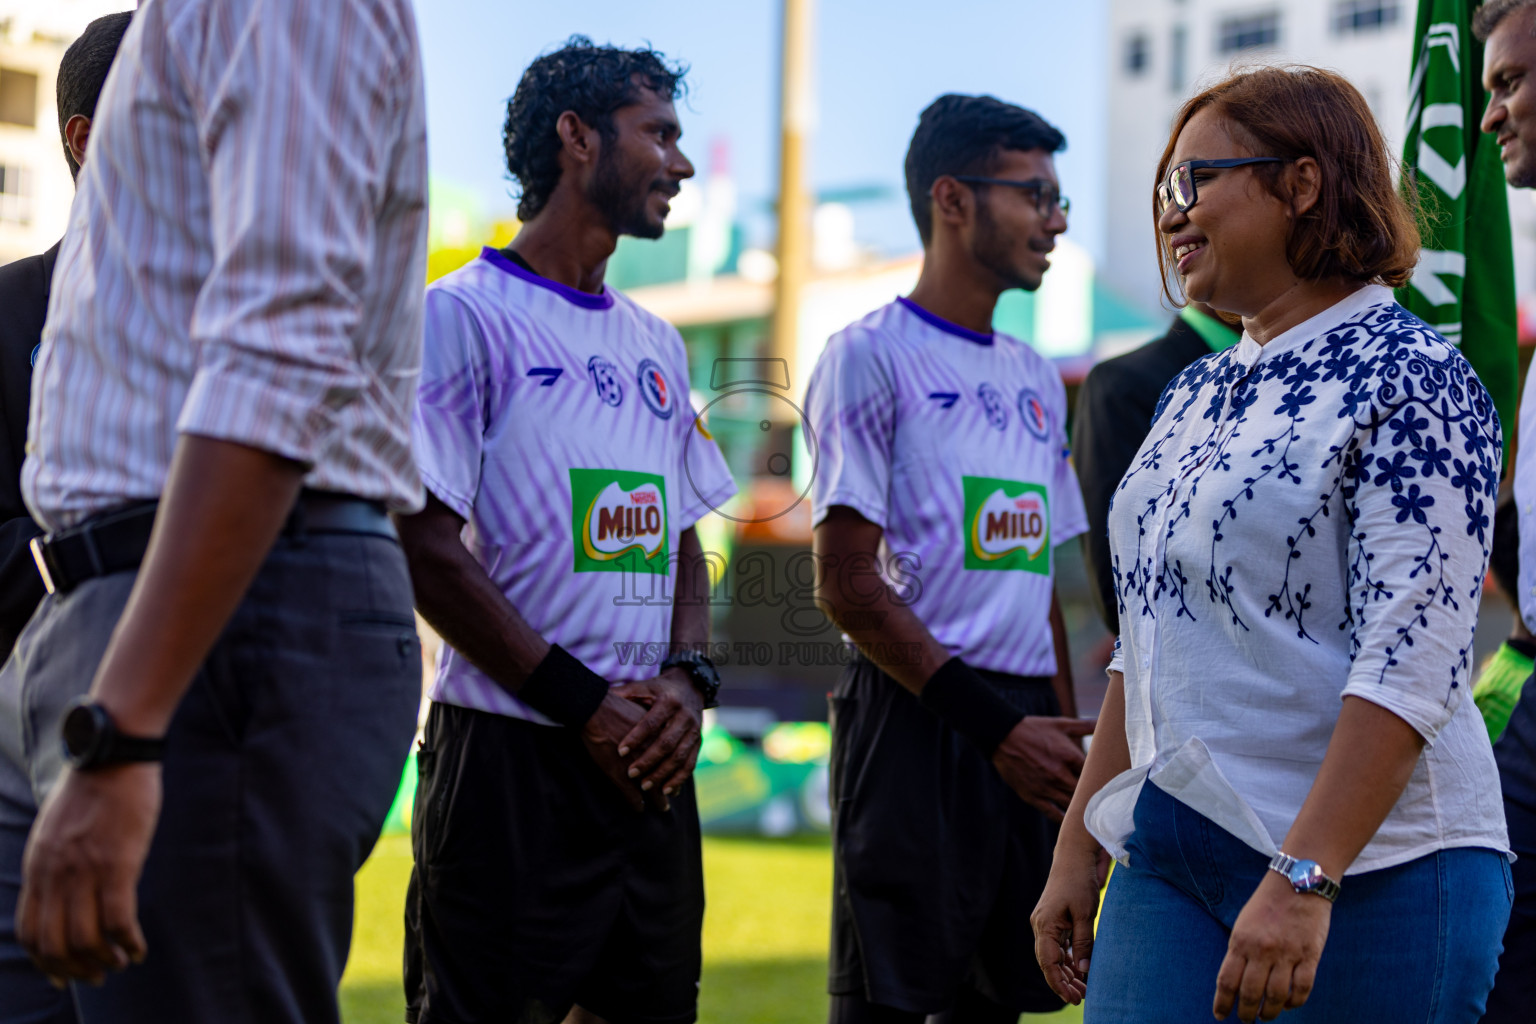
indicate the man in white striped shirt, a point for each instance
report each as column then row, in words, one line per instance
column 230, row 358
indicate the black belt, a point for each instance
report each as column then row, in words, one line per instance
column 115, row 541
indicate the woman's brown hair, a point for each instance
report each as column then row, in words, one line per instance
column 1361, row 228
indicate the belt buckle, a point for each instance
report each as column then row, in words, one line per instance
column 40, row 556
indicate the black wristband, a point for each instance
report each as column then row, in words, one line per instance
column 972, row 708
column 563, row 689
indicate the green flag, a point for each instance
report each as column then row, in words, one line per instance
column 1464, row 285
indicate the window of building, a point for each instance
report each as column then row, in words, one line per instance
column 15, row 195
column 18, row 98
column 1137, row 54
column 1177, row 43
column 1365, row 15
column 1248, row 32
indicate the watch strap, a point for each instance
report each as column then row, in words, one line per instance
column 701, row 672
column 1319, row 884
column 125, row 749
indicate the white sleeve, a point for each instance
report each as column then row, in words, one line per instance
column 449, row 424
column 1420, row 527
column 1117, row 659
column 296, row 141
column 1069, row 516
column 706, row 479
column 851, row 421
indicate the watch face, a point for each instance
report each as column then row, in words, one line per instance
column 1307, row 875
column 82, row 732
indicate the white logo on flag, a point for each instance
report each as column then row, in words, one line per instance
column 1429, row 276
column 1452, row 180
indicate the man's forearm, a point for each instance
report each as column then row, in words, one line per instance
column 469, row 612
column 852, row 593
column 690, row 604
column 880, row 625
column 223, row 506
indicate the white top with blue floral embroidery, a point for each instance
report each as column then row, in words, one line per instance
column 1308, row 519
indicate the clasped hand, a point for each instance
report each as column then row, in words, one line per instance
column 645, row 737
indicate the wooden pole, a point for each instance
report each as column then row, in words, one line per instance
column 796, row 119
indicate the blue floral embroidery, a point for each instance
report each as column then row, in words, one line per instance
column 1380, row 402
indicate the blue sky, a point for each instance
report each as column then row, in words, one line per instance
column 878, row 63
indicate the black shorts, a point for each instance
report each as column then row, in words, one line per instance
column 937, row 864
column 536, row 888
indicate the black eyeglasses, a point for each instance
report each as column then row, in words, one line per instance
column 1178, row 189
column 1048, row 198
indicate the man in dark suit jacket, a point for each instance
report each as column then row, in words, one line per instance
column 24, row 288
column 24, row 297
column 1114, row 415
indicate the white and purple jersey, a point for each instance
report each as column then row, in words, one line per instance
column 954, row 443
column 557, row 423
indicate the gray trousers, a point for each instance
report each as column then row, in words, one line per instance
column 281, row 763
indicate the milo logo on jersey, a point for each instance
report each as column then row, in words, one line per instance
column 619, row 521
column 1007, row 525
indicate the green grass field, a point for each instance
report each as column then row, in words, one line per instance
column 765, row 934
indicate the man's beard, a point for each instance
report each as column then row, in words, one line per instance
column 1523, row 173
column 623, row 202
column 993, row 249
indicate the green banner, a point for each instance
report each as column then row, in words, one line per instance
column 1464, row 285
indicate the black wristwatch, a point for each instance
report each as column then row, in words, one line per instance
column 701, row 671
column 92, row 740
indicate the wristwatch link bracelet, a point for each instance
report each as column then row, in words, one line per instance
column 1305, row 876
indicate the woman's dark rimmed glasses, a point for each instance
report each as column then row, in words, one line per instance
column 1178, row 189
column 1048, row 197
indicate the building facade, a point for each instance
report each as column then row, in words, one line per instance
column 35, row 187
column 1161, row 52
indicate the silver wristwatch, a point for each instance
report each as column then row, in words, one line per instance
column 1305, row 876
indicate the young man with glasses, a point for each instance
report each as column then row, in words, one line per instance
column 942, row 462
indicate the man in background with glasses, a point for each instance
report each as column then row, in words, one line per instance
column 942, row 487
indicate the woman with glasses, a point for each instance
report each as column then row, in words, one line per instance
column 1288, row 767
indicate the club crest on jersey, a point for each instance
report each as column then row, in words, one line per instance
column 992, row 402
column 606, row 380
column 654, row 390
column 618, row 521
column 1007, row 525
column 1037, row 419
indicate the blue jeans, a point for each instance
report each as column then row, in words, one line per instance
column 1414, row 943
